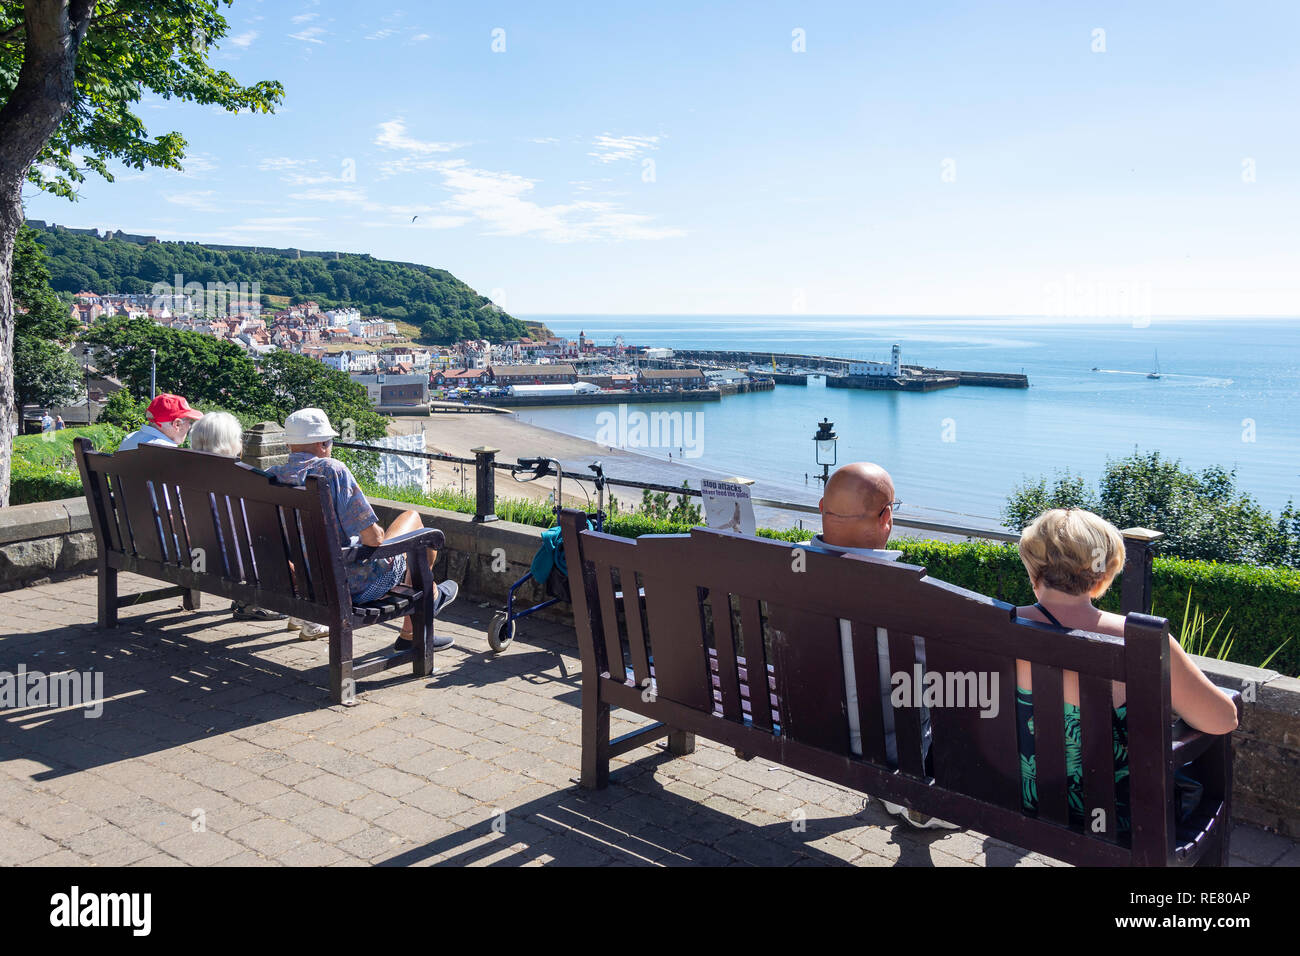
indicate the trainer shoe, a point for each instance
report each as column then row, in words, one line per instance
column 447, row 592
column 251, row 612
column 309, row 631
column 917, row 819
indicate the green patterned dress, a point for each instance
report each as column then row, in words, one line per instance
column 1073, row 760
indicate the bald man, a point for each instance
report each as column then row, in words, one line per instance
column 857, row 509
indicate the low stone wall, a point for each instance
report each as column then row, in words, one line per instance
column 40, row 542
column 45, row 541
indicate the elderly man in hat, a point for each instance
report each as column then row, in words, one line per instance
column 310, row 438
column 170, row 418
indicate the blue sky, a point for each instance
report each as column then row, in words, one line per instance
column 936, row 158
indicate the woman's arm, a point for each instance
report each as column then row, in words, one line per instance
column 1197, row 701
column 372, row 537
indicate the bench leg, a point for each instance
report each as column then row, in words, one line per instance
column 192, row 600
column 681, row 743
column 343, row 688
column 595, row 736
column 107, row 595
column 422, row 620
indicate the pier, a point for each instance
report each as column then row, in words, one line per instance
column 793, row 369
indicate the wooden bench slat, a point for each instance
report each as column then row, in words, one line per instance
column 609, row 618
column 755, row 665
column 907, row 718
column 724, row 641
column 970, row 752
column 201, row 530
column 866, row 678
column 1049, row 743
column 809, row 674
column 636, row 630
column 269, row 548
column 1097, row 739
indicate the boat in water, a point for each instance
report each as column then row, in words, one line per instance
column 1155, row 372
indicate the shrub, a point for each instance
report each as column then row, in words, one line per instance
column 1202, row 514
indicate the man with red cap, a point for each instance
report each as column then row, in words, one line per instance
column 170, row 418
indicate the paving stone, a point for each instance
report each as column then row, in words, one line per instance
column 330, row 824
column 200, row 849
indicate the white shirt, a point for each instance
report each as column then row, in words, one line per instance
column 148, row 435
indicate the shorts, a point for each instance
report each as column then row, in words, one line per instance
column 384, row 583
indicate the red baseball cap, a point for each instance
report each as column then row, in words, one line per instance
column 167, row 408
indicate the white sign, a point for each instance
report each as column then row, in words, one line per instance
column 727, row 506
column 397, row 471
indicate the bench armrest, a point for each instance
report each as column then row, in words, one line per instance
column 402, row 544
column 1190, row 744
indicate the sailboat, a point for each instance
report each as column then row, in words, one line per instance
column 1155, row 372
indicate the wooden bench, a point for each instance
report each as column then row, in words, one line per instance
column 718, row 609
column 208, row 523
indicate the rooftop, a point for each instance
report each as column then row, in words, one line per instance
column 207, row 718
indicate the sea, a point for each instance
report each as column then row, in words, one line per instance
column 1228, row 395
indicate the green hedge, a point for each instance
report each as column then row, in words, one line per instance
column 44, row 467
column 1262, row 604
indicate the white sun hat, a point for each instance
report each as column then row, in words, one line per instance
column 306, row 426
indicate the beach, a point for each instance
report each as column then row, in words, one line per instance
column 457, row 433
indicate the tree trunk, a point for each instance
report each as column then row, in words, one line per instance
column 40, row 100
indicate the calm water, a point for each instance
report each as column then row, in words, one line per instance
column 1229, row 395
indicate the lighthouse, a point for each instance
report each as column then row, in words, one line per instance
column 896, row 360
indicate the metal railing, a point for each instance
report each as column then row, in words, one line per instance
column 485, row 464
column 1136, row 587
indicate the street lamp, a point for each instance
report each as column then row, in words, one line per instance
column 825, row 440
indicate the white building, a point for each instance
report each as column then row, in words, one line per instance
column 891, row 369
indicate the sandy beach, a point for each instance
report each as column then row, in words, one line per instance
column 456, row 433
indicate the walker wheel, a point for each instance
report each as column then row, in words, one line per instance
column 500, row 633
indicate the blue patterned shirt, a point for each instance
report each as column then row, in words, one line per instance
column 350, row 504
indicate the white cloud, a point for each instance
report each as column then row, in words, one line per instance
column 383, row 34
column 309, row 35
column 305, row 17
column 330, row 195
column 419, row 38
column 500, row 200
column 392, row 135
column 611, row 149
column 197, row 164
column 200, row 201
column 244, row 40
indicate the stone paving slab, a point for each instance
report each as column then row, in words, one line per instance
column 216, row 747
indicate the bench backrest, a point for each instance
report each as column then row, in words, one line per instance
column 721, row 610
column 215, row 524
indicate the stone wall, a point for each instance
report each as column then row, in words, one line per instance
column 45, row 541
column 40, row 542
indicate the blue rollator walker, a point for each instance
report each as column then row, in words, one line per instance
column 549, row 569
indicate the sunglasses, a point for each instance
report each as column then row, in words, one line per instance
column 895, row 505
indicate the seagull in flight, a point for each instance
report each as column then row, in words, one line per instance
column 413, row 218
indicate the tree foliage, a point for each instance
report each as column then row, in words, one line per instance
column 445, row 308
column 1202, row 514
column 44, row 373
column 129, row 47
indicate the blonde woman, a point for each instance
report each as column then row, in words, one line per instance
column 1072, row 557
column 221, row 434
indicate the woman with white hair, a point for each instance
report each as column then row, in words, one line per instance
column 221, row 434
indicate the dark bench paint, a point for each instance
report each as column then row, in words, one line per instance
column 208, row 523
column 788, row 621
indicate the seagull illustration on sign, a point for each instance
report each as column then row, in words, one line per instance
column 734, row 523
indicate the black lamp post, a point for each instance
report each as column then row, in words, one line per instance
column 825, row 440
